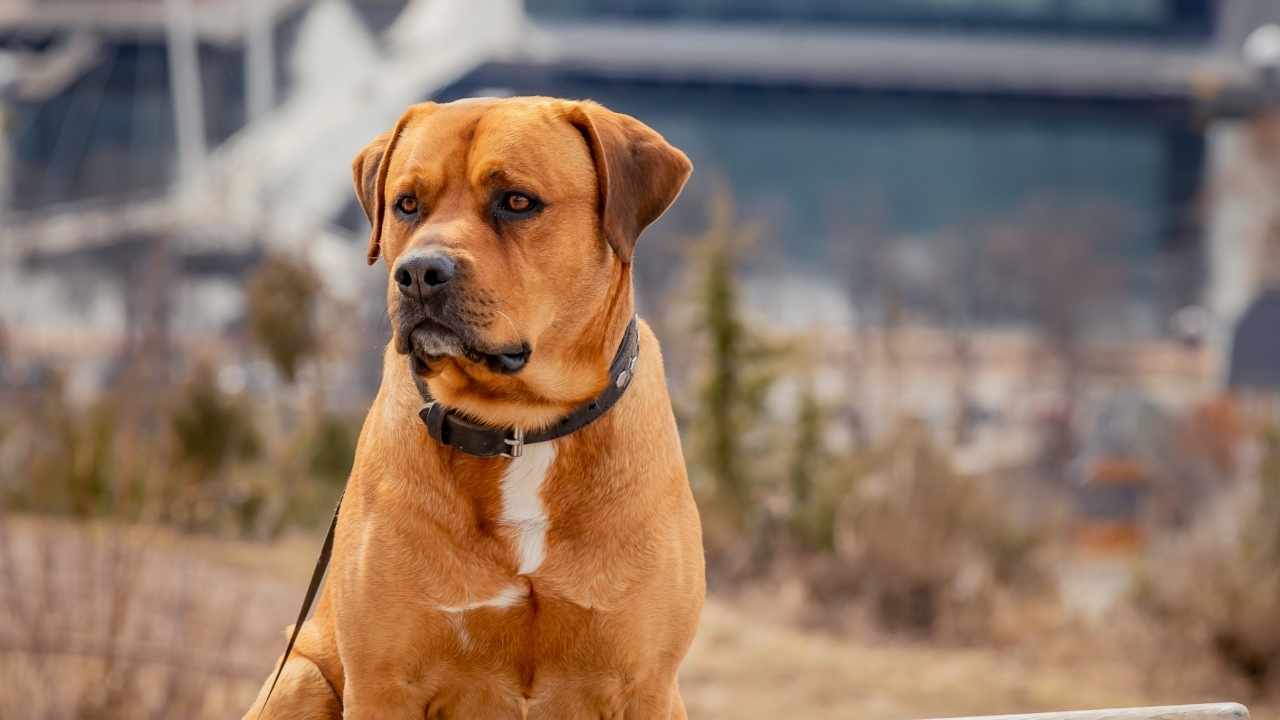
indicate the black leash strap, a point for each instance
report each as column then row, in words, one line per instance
column 317, row 576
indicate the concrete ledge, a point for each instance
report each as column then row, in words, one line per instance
column 1212, row 711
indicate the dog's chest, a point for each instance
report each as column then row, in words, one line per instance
column 528, row 633
column 539, row 651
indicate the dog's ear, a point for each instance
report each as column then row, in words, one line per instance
column 369, row 175
column 364, row 174
column 639, row 174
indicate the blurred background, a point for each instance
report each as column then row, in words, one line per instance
column 971, row 315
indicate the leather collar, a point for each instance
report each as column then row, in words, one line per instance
column 448, row 428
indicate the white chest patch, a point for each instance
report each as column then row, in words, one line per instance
column 522, row 509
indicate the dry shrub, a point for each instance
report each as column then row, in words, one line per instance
column 211, row 431
column 71, row 458
column 1220, row 586
column 211, row 428
column 193, row 457
column 816, row 480
column 1192, row 463
column 68, row 459
column 170, row 463
column 283, row 296
column 100, row 622
column 927, row 550
column 729, row 446
column 330, row 448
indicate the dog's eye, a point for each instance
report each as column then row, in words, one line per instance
column 407, row 205
column 518, row 203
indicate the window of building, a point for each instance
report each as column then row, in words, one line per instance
column 1155, row 18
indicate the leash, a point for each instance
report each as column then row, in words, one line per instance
column 317, row 576
column 452, row 430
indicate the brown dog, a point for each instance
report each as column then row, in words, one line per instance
column 566, row 582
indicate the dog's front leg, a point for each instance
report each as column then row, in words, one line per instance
column 677, row 706
column 382, row 699
column 662, row 700
column 302, row 694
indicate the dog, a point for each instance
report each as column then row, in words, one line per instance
column 478, row 571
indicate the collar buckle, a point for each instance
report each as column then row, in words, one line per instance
column 515, row 444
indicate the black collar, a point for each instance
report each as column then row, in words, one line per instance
column 448, row 428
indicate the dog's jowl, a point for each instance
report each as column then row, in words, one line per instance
column 518, row 537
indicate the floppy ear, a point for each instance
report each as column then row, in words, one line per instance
column 639, row 174
column 364, row 172
column 369, row 175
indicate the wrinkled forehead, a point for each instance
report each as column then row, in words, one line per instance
column 524, row 140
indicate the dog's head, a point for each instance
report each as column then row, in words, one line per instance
column 508, row 228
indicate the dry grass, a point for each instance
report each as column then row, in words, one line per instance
column 100, row 622
column 743, row 668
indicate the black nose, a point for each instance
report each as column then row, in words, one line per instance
column 421, row 274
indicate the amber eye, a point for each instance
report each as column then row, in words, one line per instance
column 516, row 203
column 407, row 205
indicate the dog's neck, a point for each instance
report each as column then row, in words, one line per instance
column 506, row 402
column 481, row 439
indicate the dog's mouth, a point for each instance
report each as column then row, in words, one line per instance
column 431, row 341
